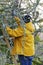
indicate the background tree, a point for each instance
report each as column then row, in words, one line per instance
column 22, row 7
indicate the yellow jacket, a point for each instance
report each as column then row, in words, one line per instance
column 23, row 45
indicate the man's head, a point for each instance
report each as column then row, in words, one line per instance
column 27, row 18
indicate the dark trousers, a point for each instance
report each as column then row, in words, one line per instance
column 25, row 60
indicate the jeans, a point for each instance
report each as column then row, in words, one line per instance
column 25, row 60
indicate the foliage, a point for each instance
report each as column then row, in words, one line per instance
column 37, row 39
column 37, row 61
column 6, row 11
column 3, row 48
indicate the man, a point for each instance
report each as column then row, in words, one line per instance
column 23, row 46
column 28, row 50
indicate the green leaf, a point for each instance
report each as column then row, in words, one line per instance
column 37, row 38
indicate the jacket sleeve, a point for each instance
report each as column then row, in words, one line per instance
column 15, row 32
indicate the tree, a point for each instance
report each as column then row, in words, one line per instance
column 7, row 6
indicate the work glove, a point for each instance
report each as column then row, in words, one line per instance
column 17, row 19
